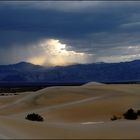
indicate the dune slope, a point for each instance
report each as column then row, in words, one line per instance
column 71, row 112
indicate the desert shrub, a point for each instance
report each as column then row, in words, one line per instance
column 138, row 112
column 114, row 118
column 130, row 114
column 34, row 117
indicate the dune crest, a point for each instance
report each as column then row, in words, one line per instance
column 89, row 84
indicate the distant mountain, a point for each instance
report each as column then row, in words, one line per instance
column 99, row 72
column 24, row 66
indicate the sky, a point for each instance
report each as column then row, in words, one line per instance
column 54, row 33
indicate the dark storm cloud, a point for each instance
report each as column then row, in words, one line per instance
column 89, row 27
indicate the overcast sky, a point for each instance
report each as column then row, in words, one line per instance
column 61, row 33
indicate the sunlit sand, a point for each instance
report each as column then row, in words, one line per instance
column 71, row 112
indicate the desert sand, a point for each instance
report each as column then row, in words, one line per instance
column 71, row 112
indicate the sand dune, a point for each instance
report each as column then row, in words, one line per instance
column 71, row 112
column 90, row 84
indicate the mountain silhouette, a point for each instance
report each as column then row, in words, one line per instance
column 99, row 72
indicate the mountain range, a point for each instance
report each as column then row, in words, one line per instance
column 99, row 72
